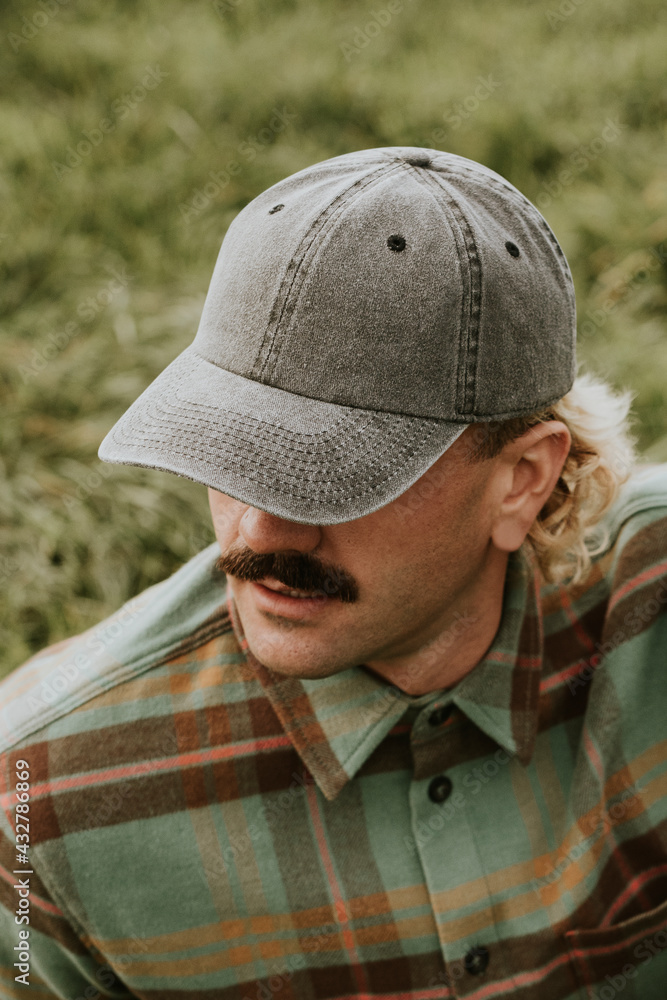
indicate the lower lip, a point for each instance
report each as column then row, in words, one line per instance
column 276, row 603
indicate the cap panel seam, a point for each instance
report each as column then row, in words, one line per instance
column 436, row 191
column 471, row 306
column 524, row 204
column 510, row 191
column 288, row 293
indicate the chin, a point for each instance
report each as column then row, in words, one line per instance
column 305, row 672
column 291, row 662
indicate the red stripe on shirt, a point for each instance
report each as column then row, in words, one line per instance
column 635, row 583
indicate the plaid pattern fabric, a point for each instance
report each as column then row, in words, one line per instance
column 200, row 826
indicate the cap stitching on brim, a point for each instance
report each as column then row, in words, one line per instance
column 276, row 486
column 413, row 440
column 353, row 417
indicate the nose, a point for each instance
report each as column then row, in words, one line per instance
column 263, row 532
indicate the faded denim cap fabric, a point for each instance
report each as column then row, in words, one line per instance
column 361, row 314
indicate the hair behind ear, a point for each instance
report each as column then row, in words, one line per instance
column 567, row 532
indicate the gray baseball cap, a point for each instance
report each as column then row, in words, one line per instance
column 361, row 314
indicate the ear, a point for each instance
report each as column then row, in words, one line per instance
column 528, row 471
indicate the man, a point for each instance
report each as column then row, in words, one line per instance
column 414, row 745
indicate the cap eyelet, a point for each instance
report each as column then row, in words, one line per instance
column 512, row 249
column 418, row 160
column 396, row 243
column 276, row 208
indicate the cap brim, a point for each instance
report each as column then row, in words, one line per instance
column 299, row 458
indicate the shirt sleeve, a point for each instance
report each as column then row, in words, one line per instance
column 41, row 954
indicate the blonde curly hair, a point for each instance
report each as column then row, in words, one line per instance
column 567, row 533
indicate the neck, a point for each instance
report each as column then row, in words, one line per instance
column 462, row 636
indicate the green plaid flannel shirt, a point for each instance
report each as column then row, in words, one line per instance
column 179, row 821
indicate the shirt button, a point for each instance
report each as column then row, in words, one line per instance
column 440, row 789
column 440, row 715
column 477, row 960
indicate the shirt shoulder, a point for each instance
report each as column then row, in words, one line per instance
column 633, row 533
column 617, row 611
column 174, row 617
column 643, row 496
column 635, row 568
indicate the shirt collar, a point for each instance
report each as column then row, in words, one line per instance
column 336, row 722
column 501, row 694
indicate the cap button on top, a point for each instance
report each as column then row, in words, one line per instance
column 419, row 160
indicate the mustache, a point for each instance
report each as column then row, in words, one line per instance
column 296, row 570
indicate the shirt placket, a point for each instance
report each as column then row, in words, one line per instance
column 446, row 800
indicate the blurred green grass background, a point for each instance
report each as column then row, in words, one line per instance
column 111, row 220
